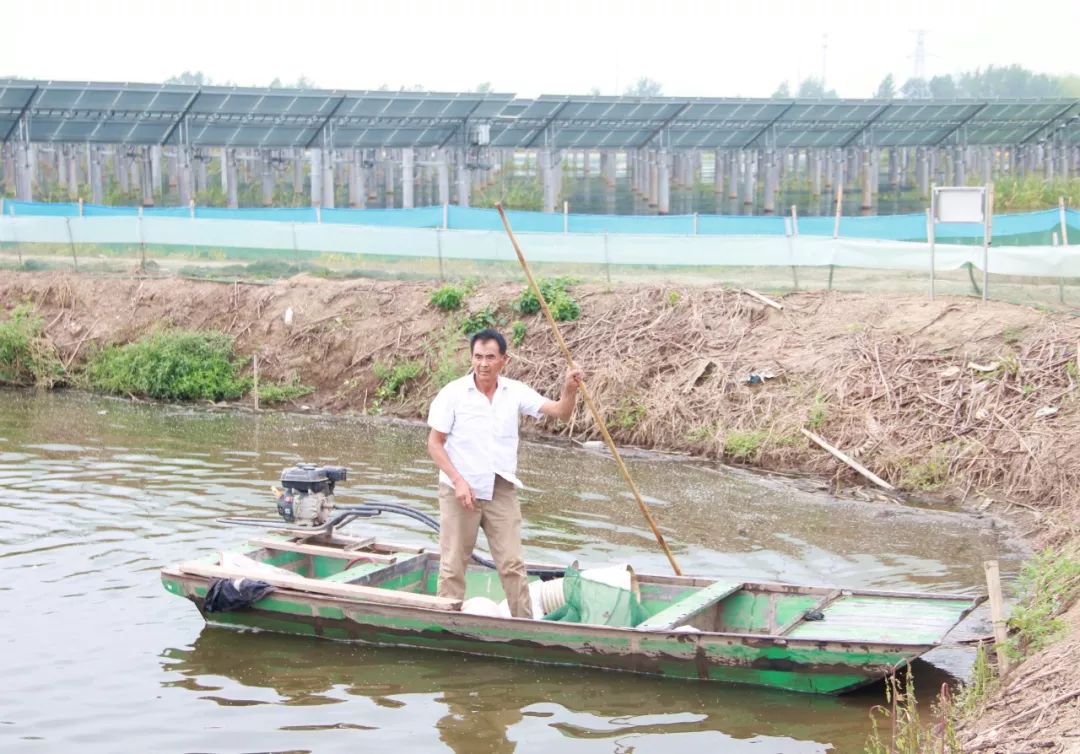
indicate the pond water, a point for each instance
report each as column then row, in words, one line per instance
column 98, row 494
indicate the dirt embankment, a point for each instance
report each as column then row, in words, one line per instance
column 975, row 402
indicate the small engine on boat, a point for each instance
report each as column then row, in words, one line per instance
column 308, row 497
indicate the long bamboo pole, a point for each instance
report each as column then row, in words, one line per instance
column 585, row 394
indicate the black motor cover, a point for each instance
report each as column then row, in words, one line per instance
column 307, row 477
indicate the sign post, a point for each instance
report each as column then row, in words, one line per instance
column 962, row 204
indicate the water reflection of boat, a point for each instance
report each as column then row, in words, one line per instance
column 811, row 639
column 483, row 702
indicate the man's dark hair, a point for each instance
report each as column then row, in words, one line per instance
column 488, row 333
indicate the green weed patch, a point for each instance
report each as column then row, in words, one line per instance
column 27, row 357
column 181, row 365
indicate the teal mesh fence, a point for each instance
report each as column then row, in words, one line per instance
column 1023, row 228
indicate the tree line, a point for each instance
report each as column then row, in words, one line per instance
column 992, row 82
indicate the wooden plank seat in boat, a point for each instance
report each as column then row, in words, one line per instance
column 295, row 582
column 282, row 545
column 679, row 612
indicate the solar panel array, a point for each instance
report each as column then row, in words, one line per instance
column 278, row 118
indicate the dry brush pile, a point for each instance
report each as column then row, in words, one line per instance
column 717, row 373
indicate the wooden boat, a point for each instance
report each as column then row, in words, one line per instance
column 801, row 638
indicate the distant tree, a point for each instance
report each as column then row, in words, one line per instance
column 594, row 92
column 814, row 88
column 483, row 88
column 915, row 89
column 301, row 83
column 1070, row 86
column 1008, row 81
column 783, row 91
column 645, row 87
column 886, row 89
column 191, row 78
column 943, row 87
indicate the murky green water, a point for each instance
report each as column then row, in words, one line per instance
column 97, row 657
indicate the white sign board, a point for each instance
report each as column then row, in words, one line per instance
column 960, row 204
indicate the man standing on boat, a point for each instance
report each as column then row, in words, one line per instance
column 473, row 441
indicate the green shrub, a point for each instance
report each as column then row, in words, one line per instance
column 1049, row 583
column 700, row 433
column 562, row 305
column 180, row 365
column 819, row 412
column 27, row 357
column 628, row 415
column 392, row 379
column 448, row 298
column 283, row 392
column 743, row 443
column 477, row 321
column 517, row 333
column 930, row 474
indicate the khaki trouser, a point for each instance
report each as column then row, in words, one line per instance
column 500, row 518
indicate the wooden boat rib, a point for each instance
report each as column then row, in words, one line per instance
column 343, row 588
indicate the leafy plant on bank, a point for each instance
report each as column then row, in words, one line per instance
column 477, row 321
column 898, row 728
column 562, row 305
column 276, row 393
column 743, row 443
column 27, row 356
column 394, row 378
column 1049, row 583
column 178, row 365
column 448, row 298
column 517, row 333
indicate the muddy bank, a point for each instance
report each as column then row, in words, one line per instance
column 971, row 402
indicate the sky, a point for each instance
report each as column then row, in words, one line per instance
column 693, row 48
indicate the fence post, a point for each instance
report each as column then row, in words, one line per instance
column 71, row 240
column 438, row 251
column 445, row 215
column 1061, row 280
column 565, row 217
column 18, row 249
column 142, row 242
column 988, row 203
column 1064, row 242
column 836, row 223
column 791, row 251
column 1064, row 225
column 930, row 241
column 695, row 223
column 80, row 207
column 607, row 259
column 997, row 614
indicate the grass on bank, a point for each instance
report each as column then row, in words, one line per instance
column 27, row 356
column 181, row 365
column 1049, row 584
column 277, row 393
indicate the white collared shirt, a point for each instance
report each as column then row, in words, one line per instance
column 482, row 435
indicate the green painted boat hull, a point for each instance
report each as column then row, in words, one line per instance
column 737, row 655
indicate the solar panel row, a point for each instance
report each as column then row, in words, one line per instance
column 278, row 118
